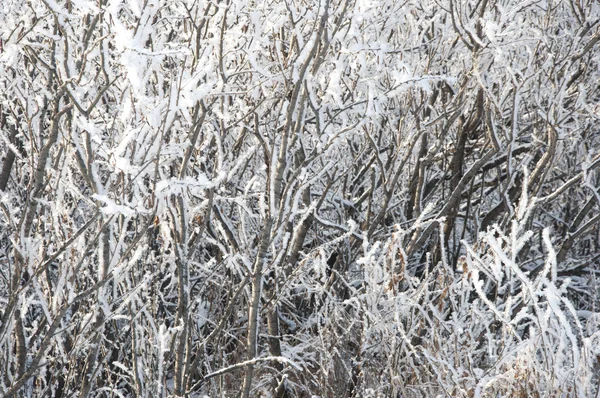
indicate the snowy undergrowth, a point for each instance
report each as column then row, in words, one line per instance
column 487, row 329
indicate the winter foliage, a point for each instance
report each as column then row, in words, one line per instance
column 329, row 198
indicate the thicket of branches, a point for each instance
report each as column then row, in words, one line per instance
column 336, row 198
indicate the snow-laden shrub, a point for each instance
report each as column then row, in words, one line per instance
column 493, row 327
